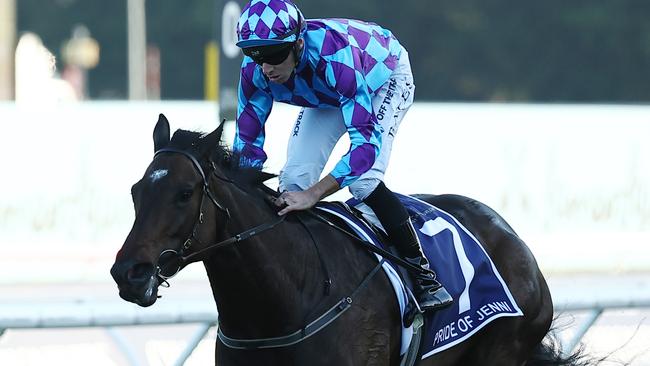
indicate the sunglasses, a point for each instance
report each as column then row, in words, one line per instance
column 272, row 55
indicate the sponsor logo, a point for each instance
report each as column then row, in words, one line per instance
column 392, row 86
column 296, row 128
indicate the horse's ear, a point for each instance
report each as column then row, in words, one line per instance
column 161, row 133
column 211, row 140
column 264, row 176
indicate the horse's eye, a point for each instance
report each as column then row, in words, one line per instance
column 185, row 196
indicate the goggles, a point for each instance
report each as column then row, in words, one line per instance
column 271, row 54
column 274, row 54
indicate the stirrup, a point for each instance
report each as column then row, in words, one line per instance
column 430, row 293
column 433, row 299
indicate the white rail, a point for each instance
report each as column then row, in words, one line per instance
column 595, row 309
column 110, row 315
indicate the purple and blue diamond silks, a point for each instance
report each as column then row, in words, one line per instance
column 345, row 62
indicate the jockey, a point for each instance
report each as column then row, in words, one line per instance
column 349, row 76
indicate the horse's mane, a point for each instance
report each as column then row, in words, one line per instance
column 245, row 177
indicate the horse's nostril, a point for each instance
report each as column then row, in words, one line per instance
column 140, row 272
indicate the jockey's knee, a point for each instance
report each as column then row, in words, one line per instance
column 363, row 187
column 298, row 177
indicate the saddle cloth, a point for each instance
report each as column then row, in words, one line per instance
column 462, row 265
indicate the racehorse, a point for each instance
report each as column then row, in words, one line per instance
column 275, row 279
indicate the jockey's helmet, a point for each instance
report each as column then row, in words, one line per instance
column 269, row 23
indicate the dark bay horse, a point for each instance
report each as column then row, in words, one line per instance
column 272, row 281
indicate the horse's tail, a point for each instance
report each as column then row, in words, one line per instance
column 549, row 353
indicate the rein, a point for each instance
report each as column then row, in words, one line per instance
column 298, row 336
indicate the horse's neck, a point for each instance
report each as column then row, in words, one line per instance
column 260, row 284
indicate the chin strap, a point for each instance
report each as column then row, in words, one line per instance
column 297, row 54
column 294, row 50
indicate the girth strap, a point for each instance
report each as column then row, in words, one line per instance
column 309, row 330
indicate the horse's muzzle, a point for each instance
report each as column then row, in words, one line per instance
column 137, row 282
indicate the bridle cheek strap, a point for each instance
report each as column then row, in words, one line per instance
column 186, row 259
column 206, row 187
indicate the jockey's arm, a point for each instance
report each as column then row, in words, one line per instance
column 362, row 127
column 254, row 106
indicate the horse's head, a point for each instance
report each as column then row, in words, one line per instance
column 170, row 201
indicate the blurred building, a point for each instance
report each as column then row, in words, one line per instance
column 36, row 82
column 7, row 44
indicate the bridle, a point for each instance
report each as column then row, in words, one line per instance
column 182, row 259
column 179, row 256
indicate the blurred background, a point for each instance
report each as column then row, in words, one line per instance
column 538, row 108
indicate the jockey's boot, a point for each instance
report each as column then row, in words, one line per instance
column 395, row 220
column 430, row 293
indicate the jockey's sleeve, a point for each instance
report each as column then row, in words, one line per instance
column 360, row 122
column 254, row 106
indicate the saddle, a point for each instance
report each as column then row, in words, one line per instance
column 462, row 264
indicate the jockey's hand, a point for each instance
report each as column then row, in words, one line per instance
column 302, row 200
column 295, row 201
